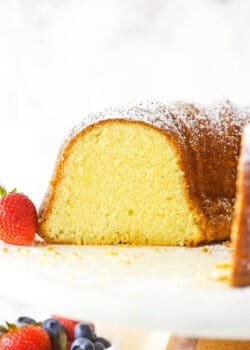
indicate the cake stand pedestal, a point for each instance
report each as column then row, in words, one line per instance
column 182, row 343
column 183, row 290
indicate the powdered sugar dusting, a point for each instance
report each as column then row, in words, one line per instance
column 214, row 119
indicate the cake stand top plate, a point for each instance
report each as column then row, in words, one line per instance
column 184, row 290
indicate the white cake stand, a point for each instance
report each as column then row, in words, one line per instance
column 183, row 290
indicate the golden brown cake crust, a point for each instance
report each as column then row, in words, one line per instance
column 241, row 226
column 208, row 142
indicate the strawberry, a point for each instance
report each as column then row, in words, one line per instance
column 69, row 325
column 18, row 218
column 30, row 337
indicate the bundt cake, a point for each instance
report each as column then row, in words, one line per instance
column 241, row 225
column 147, row 174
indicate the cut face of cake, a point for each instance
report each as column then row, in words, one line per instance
column 148, row 174
column 241, row 225
column 122, row 183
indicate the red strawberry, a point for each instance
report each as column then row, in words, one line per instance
column 18, row 218
column 28, row 337
column 69, row 325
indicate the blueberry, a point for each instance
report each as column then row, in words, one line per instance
column 25, row 320
column 82, row 344
column 99, row 346
column 50, row 323
column 83, row 330
column 56, row 330
column 104, row 342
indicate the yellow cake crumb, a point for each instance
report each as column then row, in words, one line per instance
column 223, row 265
column 204, row 249
column 50, row 247
column 222, row 278
column 125, row 261
column 227, row 244
column 5, row 250
column 137, row 256
column 160, row 250
column 111, row 252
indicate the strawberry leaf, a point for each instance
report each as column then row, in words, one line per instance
column 3, row 330
column 3, row 191
column 11, row 326
column 14, row 190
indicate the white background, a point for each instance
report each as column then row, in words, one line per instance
column 61, row 59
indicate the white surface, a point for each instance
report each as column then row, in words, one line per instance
column 170, row 288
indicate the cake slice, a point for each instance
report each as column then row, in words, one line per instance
column 241, row 225
column 146, row 174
